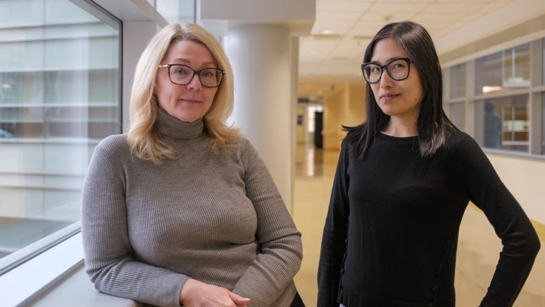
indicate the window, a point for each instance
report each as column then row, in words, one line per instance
column 503, row 123
column 177, row 11
column 543, row 123
column 59, row 96
column 488, row 72
column 516, row 67
column 543, row 68
column 458, row 115
column 501, row 71
column 458, row 81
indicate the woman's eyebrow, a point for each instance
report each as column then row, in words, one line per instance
column 389, row 60
column 185, row 61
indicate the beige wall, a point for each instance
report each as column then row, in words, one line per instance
column 300, row 129
column 525, row 178
column 333, row 110
column 354, row 107
column 343, row 107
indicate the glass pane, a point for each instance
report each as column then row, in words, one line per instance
column 502, row 71
column 177, row 11
column 21, row 87
column 59, row 96
column 458, row 81
column 503, row 123
column 516, row 67
column 458, row 115
column 488, row 73
column 543, row 68
column 543, row 124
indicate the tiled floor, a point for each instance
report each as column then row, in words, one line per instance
column 478, row 246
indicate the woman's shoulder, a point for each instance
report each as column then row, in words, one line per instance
column 242, row 148
column 241, row 142
column 115, row 144
column 458, row 140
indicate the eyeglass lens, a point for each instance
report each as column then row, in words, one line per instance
column 397, row 70
column 181, row 74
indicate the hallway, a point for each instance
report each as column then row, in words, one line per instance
column 478, row 246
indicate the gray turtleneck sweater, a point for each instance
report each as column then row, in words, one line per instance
column 216, row 218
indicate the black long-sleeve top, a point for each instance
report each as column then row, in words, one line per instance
column 391, row 232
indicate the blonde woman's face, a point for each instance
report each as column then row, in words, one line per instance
column 192, row 101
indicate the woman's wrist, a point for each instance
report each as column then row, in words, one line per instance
column 186, row 289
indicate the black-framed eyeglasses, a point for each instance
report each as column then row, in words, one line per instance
column 397, row 69
column 182, row 74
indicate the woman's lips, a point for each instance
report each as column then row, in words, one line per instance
column 190, row 100
column 388, row 97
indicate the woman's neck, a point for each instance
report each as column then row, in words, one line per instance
column 400, row 128
column 173, row 128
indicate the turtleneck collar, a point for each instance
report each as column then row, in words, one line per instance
column 173, row 128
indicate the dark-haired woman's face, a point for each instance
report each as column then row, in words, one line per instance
column 400, row 99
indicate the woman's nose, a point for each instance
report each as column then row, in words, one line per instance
column 385, row 80
column 195, row 83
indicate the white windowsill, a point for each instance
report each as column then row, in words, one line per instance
column 56, row 277
column 24, row 282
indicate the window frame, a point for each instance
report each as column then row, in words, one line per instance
column 27, row 253
column 138, row 24
column 534, row 91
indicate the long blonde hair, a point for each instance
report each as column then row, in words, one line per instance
column 143, row 137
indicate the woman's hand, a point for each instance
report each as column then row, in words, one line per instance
column 197, row 294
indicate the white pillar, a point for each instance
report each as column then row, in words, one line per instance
column 261, row 58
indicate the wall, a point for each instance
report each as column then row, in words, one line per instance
column 354, row 105
column 333, row 116
column 300, row 128
column 525, row 178
column 344, row 107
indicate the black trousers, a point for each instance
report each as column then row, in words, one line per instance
column 297, row 301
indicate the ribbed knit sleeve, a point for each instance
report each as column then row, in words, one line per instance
column 280, row 249
column 108, row 252
column 519, row 239
column 334, row 235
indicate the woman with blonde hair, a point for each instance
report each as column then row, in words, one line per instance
column 182, row 210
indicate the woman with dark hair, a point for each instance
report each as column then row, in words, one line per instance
column 403, row 181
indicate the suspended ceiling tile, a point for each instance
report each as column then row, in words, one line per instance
column 397, row 7
column 404, row 1
column 337, row 16
column 341, row 6
column 430, row 17
column 332, row 24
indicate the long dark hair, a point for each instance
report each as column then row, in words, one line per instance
column 432, row 121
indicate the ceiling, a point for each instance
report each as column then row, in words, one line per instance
column 332, row 54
